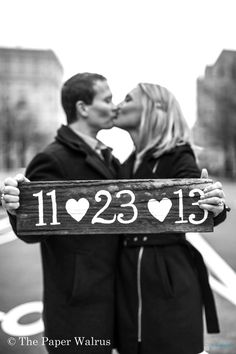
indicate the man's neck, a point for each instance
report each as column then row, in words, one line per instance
column 79, row 127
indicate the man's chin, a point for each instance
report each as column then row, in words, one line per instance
column 108, row 126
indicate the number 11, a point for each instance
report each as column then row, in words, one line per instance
column 52, row 194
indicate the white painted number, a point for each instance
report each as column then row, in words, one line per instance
column 97, row 219
column 98, row 198
column 129, row 204
column 52, row 194
column 40, row 208
column 193, row 216
column 120, row 217
column 54, row 208
column 181, row 215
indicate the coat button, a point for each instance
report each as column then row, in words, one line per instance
column 145, row 238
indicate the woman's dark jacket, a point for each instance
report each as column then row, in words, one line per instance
column 78, row 271
column 163, row 286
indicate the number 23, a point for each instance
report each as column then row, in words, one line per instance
column 97, row 219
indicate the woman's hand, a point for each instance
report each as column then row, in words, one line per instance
column 10, row 194
column 214, row 197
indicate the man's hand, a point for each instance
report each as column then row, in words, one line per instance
column 214, row 197
column 11, row 194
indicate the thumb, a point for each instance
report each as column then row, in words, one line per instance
column 21, row 178
column 204, row 173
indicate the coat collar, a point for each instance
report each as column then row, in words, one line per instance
column 67, row 137
column 144, row 170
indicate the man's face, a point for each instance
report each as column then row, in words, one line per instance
column 102, row 111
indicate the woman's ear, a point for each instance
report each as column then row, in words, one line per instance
column 81, row 108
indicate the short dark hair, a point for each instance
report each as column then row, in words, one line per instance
column 78, row 87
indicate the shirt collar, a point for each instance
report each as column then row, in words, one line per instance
column 93, row 143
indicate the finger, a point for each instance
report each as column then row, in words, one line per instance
column 11, row 190
column 216, row 210
column 216, row 185
column 10, row 182
column 9, row 210
column 215, row 201
column 215, row 193
column 12, row 212
column 21, row 178
column 10, row 206
column 10, row 199
column 204, row 173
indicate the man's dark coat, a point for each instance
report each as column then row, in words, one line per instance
column 78, row 271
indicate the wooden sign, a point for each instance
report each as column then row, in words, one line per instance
column 112, row 207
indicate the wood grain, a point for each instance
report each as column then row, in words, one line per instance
column 143, row 190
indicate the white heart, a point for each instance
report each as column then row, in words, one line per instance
column 77, row 209
column 161, row 209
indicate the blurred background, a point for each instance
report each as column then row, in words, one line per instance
column 187, row 46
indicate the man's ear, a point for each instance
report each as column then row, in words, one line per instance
column 82, row 108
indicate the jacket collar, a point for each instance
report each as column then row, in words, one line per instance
column 67, row 137
column 144, row 169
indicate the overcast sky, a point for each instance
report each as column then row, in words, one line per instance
column 167, row 42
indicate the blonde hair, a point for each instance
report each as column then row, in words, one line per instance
column 162, row 125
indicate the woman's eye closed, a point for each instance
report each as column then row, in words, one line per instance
column 128, row 98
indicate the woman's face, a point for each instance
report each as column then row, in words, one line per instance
column 130, row 111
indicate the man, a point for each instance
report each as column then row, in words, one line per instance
column 78, row 271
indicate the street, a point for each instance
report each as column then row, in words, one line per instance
column 21, row 289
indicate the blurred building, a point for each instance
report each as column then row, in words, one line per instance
column 215, row 129
column 30, row 110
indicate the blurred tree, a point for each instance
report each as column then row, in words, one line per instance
column 25, row 130
column 217, row 113
column 20, row 134
column 225, row 124
column 7, row 132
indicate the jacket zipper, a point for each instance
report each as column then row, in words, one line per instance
column 140, row 255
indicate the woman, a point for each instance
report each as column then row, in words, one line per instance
column 162, row 280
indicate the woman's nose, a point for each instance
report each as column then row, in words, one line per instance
column 119, row 106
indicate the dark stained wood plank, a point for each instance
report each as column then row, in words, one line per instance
column 112, row 207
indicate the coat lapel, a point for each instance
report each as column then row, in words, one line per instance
column 126, row 169
column 67, row 137
column 94, row 161
column 146, row 168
